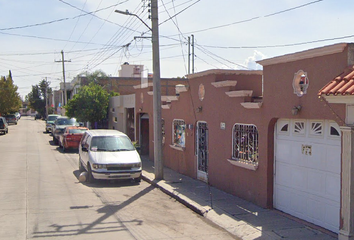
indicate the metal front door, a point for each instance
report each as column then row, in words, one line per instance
column 202, row 150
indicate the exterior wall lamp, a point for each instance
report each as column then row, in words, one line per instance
column 296, row 109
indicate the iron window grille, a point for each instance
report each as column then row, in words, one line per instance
column 163, row 130
column 245, row 143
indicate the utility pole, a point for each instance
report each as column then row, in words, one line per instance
column 156, row 92
column 156, row 86
column 46, row 99
column 62, row 61
column 192, row 53
column 189, row 55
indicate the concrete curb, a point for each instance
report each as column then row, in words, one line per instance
column 223, row 220
column 180, row 198
column 246, row 222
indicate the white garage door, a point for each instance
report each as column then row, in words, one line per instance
column 307, row 171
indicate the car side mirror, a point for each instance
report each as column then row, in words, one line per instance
column 84, row 149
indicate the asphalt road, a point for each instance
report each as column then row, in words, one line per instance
column 41, row 198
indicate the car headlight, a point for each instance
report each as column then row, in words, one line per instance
column 98, row 166
column 136, row 165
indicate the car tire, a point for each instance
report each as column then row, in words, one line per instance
column 55, row 140
column 81, row 167
column 138, row 179
column 90, row 177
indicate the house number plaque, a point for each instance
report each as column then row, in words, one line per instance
column 306, row 149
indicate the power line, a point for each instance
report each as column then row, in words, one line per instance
column 212, row 55
column 179, row 12
column 65, row 19
column 46, row 53
column 281, row 45
column 77, row 21
column 47, row 38
column 119, row 35
column 254, row 18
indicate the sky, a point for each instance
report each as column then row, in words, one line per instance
column 228, row 34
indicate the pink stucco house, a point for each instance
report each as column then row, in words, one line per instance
column 280, row 138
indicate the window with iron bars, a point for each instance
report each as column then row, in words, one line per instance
column 179, row 129
column 245, row 143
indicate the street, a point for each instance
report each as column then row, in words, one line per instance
column 41, row 197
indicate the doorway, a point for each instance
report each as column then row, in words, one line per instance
column 202, row 150
column 144, row 134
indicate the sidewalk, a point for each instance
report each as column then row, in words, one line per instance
column 239, row 217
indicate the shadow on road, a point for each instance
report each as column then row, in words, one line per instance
column 106, row 183
column 103, row 223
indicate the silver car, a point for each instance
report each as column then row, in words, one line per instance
column 60, row 124
column 11, row 118
column 4, row 128
column 107, row 155
column 50, row 122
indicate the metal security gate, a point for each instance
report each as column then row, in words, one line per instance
column 202, row 150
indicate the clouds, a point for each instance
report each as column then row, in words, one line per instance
column 228, row 34
column 250, row 62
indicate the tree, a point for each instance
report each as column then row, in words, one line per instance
column 36, row 98
column 90, row 104
column 10, row 100
column 96, row 76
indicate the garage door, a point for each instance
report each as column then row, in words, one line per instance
column 307, row 171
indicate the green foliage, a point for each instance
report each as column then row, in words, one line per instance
column 50, row 110
column 101, row 78
column 10, row 100
column 89, row 104
column 95, row 76
column 36, row 98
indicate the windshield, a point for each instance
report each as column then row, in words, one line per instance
column 112, row 144
column 77, row 130
column 52, row 118
column 66, row 121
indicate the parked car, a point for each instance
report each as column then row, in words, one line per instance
column 18, row 115
column 37, row 116
column 4, row 128
column 11, row 118
column 50, row 122
column 71, row 137
column 60, row 124
column 107, row 155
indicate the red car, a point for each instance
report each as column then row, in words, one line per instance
column 71, row 137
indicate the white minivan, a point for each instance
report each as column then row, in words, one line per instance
column 108, row 154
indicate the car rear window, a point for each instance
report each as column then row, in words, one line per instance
column 52, row 118
column 77, row 130
column 66, row 121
